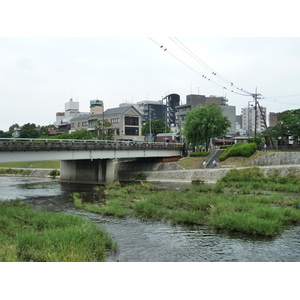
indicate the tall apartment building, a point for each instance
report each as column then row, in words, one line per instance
column 172, row 101
column 248, row 120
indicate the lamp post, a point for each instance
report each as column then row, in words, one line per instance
column 281, row 127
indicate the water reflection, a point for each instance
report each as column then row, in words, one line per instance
column 155, row 241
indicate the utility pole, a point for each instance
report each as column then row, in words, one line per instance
column 255, row 96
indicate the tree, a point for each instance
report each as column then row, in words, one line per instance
column 157, row 126
column 104, row 131
column 203, row 123
column 288, row 124
column 29, row 131
column 82, row 134
column 4, row 134
column 12, row 128
column 44, row 131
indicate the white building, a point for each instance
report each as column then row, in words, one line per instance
column 248, row 120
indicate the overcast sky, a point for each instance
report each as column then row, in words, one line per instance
column 40, row 74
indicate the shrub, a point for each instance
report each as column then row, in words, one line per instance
column 141, row 176
column 199, row 154
column 54, row 173
column 239, row 149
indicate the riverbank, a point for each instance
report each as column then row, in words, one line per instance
column 30, row 235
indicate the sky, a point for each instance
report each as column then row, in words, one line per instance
column 43, row 65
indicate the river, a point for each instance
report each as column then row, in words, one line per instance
column 154, row 241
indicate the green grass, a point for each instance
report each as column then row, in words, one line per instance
column 29, row 235
column 243, row 202
column 10, row 171
column 32, row 164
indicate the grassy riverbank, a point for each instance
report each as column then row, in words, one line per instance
column 244, row 201
column 29, row 235
column 32, row 164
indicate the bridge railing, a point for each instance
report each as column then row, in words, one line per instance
column 28, row 144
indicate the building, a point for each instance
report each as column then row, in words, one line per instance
column 273, row 119
column 172, row 101
column 63, row 118
column 249, row 115
column 193, row 101
column 126, row 120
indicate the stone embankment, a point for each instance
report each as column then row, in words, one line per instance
column 172, row 172
column 277, row 158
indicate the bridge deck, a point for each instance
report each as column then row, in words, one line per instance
column 12, row 150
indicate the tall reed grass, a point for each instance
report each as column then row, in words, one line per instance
column 29, row 235
column 244, row 201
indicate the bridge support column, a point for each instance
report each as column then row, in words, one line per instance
column 89, row 171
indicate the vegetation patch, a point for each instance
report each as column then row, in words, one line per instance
column 19, row 172
column 243, row 201
column 54, row 173
column 239, row 149
column 32, row 164
column 199, row 154
column 29, row 235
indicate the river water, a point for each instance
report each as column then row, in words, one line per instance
column 140, row 241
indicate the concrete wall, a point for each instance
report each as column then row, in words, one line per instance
column 277, row 158
column 164, row 172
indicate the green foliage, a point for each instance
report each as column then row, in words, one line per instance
column 256, row 139
column 54, row 173
column 289, row 123
column 9, row 171
column 82, row 134
column 244, row 175
column 232, row 205
column 203, row 123
column 157, row 126
column 28, row 235
column 141, row 176
column 199, row 154
column 104, row 131
column 239, row 149
column 4, row 134
column 29, row 131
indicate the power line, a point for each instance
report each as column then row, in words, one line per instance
column 242, row 93
column 194, row 56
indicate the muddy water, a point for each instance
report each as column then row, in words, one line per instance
column 140, row 241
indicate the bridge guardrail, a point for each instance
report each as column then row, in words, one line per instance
column 22, row 144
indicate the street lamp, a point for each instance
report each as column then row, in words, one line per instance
column 281, row 127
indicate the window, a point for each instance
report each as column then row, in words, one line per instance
column 85, row 124
column 115, row 120
column 134, row 121
column 131, row 131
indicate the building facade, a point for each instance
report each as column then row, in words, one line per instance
column 249, row 115
column 193, row 101
column 126, row 122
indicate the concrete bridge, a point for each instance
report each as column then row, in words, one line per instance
column 87, row 161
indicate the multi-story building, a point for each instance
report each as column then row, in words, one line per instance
column 273, row 119
column 193, row 101
column 172, row 101
column 126, row 120
column 249, row 115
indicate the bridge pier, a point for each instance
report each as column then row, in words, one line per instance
column 103, row 171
